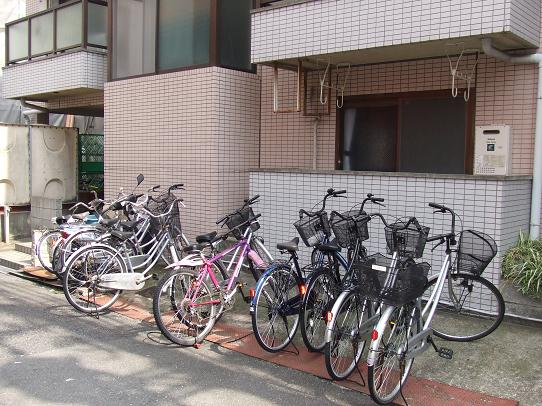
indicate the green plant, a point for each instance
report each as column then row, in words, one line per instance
column 522, row 264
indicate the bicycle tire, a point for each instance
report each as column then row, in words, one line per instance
column 276, row 298
column 79, row 278
column 394, row 329
column 345, row 347
column 190, row 328
column 322, row 290
column 45, row 246
column 74, row 242
column 483, row 297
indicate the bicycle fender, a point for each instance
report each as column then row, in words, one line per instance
column 373, row 354
column 190, row 261
column 259, row 284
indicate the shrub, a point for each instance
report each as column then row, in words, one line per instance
column 522, row 264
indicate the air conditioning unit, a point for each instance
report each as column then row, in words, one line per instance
column 492, row 150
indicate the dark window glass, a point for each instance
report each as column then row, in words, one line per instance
column 369, row 138
column 233, row 34
column 183, row 33
column 407, row 134
column 433, row 135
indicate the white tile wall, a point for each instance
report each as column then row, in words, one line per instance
column 75, row 70
column 499, row 208
column 327, row 26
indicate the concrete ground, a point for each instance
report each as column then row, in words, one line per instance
column 505, row 364
column 49, row 354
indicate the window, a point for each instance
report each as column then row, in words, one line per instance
column 426, row 132
column 154, row 36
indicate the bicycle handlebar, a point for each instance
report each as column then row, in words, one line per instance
column 247, row 203
column 440, row 208
column 330, row 193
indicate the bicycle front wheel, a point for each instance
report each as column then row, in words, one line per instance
column 470, row 307
column 388, row 366
column 344, row 349
column 275, row 308
column 182, row 309
column 82, row 277
column 322, row 290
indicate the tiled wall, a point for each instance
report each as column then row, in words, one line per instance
column 505, row 94
column 199, row 127
column 73, row 70
column 525, row 19
column 35, row 6
column 499, row 208
column 95, row 99
column 328, row 26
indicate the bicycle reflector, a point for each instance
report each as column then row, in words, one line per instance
column 328, row 316
column 251, row 293
column 64, row 235
column 302, row 290
column 374, row 335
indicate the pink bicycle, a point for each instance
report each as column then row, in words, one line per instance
column 191, row 298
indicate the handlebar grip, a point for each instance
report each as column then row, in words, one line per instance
column 438, row 207
column 222, row 220
column 377, row 199
column 155, row 188
column 176, row 186
column 339, row 192
column 252, row 199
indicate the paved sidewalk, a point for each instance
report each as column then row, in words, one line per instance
column 49, row 354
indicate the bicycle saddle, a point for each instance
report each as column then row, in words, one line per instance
column 329, row 247
column 290, row 246
column 109, row 222
column 194, row 248
column 209, row 237
column 123, row 235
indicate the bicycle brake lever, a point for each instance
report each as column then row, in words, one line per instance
column 442, row 241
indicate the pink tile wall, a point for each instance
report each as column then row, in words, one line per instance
column 505, row 94
column 199, row 127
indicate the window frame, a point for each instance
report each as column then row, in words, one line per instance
column 395, row 99
column 214, row 50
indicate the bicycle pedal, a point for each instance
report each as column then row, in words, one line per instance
column 197, row 346
column 445, row 353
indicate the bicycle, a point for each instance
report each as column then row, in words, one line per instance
column 190, row 299
column 327, row 282
column 276, row 303
column 405, row 325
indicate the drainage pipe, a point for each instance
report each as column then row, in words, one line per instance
column 315, row 142
column 536, row 193
column 7, row 209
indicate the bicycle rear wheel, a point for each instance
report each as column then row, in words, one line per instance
column 180, row 312
column 275, row 308
column 388, row 367
column 470, row 307
column 83, row 272
column 322, row 290
column 344, row 350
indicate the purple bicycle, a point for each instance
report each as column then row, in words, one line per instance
column 191, row 298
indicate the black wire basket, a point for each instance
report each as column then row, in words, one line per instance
column 396, row 287
column 349, row 227
column 241, row 218
column 408, row 242
column 476, row 250
column 313, row 229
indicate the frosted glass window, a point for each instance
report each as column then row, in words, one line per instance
column 183, row 33
column 41, row 29
column 97, row 24
column 18, row 40
column 69, row 26
column 134, row 33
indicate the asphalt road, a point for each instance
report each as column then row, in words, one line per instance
column 50, row 354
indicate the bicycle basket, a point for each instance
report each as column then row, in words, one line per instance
column 408, row 242
column 396, row 287
column 162, row 205
column 313, row 229
column 239, row 218
column 350, row 226
column 475, row 252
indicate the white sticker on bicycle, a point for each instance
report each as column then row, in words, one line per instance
column 379, row 268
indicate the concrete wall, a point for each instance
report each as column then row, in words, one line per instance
column 199, row 127
column 497, row 206
column 70, row 71
column 14, row 165
column 329, row 26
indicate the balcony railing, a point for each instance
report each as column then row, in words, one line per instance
column 78, row 24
